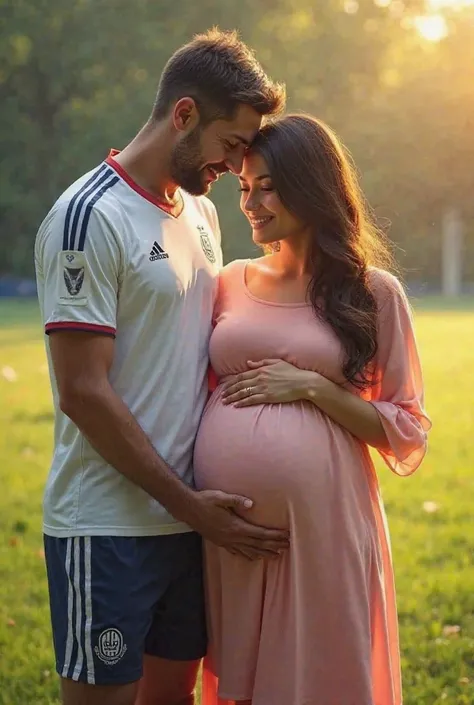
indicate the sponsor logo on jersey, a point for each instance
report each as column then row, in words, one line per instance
column 157, row 252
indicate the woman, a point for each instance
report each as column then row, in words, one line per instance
column 316, row 360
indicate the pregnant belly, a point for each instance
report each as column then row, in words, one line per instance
column 284, row 457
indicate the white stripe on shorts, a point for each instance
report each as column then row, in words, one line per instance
column 88, row 601
column 70, row 598
column 77, row 588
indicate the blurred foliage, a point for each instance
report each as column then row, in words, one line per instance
column 79, row 77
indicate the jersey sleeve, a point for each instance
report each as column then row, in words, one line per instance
column 79, row 264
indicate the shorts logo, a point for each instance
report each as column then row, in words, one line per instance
column 206, row 244
column 111, row 647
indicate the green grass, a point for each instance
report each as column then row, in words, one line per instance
column 433, row 552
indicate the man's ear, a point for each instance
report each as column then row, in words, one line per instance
column 185, row 115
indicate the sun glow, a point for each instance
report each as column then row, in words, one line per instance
column 433, row 28
column 436, row 5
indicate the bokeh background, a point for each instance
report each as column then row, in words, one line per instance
column 395, row 79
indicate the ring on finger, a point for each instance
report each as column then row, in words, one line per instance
column 248, row 391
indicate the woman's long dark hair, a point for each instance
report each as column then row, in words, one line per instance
column 316, row 180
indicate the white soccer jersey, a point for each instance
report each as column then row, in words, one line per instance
column 110, row 259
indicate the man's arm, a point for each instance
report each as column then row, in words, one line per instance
column 82, row 362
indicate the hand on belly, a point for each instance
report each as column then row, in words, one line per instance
column 266, row 453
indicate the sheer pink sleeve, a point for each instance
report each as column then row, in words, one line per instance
column 398, row 392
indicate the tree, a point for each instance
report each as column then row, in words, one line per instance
column 79, row 77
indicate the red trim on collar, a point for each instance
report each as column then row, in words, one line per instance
column 141, row 191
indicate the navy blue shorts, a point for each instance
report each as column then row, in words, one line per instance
column 115, row 598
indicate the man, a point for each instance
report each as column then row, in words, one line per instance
column 126, row 265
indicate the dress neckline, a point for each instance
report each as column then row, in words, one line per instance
column 265, row 302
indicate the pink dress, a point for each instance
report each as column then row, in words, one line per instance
column 317, row 626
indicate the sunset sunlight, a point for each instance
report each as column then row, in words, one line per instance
column 449, row 4
column 432, row 27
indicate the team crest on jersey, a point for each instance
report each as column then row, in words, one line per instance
column 206, row 244
column 110, row 647
column 73, row 280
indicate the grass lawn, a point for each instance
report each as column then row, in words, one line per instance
column 430, row 515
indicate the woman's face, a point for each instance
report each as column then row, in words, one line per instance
column 269, row 219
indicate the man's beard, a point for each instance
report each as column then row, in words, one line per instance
column 187, row 164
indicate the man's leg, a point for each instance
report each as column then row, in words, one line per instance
column 101, row 611
column 167, row 682
column 74, row 693
column 177, row 640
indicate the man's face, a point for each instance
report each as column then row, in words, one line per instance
column 203, row 154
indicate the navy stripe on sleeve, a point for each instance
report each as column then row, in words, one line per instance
column 80, row 206
column 72, row 203
column 89, row 207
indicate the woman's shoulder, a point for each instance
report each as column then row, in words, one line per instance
column 237, row 265
column 390, row 296
column 231, row 276
column 232, row 271
column 384, row 284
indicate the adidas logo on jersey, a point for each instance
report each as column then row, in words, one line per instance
column 157, row 252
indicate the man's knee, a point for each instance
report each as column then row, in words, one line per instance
column 167, row 682
column 74, row 693
column 189, row 700
column 162, row 699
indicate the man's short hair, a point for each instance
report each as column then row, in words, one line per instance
column 220, row 73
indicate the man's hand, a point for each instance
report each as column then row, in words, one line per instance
column 213, row 516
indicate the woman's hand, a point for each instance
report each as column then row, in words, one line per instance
column 267, row 382
column 277, row 382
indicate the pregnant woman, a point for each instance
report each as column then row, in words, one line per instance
column 315, row 358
